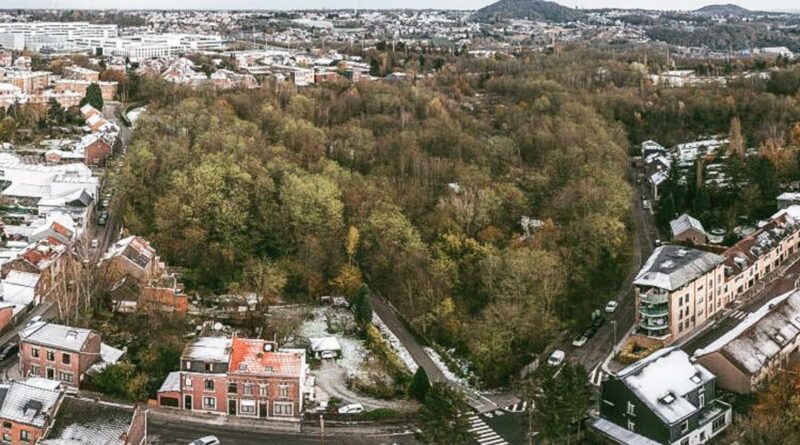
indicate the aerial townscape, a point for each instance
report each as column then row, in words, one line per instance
column 503, row 223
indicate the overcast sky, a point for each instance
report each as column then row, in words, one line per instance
column 365, row 4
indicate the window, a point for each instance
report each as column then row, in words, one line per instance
column 66, row 358
column 7, row 425
column 282, row 408
column 702, row 400
column 65, row 376
column 247, row 407
column 262, row 390
column 718, row 423
column 35, row 352
column 35, row 370
column 248, row 389
column 209, row 367
column 631, row 409
column 188, row 365
column 209, row 385
column 631, row 425
column 685, row 427
column 685, row 441
column 232, row 388
column 283, row 391
column 51, row 356
column 209, row 402
column 187, row 381
column 6, row 438
column 24, row 436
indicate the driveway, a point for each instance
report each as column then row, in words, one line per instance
column 331, row 380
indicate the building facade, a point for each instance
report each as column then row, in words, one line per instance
column 57, row 352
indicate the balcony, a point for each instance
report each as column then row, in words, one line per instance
column 654, row 311
column 654, row 297
column 654, row 324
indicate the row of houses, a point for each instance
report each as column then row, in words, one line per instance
column 679, row 287
column 23, row 86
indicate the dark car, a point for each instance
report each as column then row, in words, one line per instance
column 598, row 321
column 8, row 351
column 589, row 332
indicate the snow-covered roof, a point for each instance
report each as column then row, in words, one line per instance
column 758, row 338
column 208, row 349
column 671, row 267
column 685, row 222
column 620, row 434
column 663, row 379
column 28, row 404
column 84, row 422
column 59, row 336
column 319, row 344
column 789, row 196
column 20, row 278
column 172, row 382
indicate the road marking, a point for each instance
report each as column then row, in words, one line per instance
column 483, row 433
column 739, row 315
column 518, row 407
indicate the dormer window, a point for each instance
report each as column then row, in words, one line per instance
column 242, row 367
column 268, row 368
column 631, row 409
column 667, row 399
column 696, row 379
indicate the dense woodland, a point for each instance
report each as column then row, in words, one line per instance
column 417, row 189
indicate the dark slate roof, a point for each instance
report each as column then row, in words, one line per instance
column 84, row 422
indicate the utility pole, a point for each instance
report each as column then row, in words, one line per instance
column 321, row 429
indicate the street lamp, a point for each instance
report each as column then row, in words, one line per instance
column 614, row 338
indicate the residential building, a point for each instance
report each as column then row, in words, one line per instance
column 688, row 229
column 677, row 289
column 663, row 399
column 33, row 35
column 62, row 353
column 788, row 199
column 79, row 73
column 29, row 81
column 84, row 422
column 26, row 408
column 241, row 377
column 764, row 342
column 107, row 89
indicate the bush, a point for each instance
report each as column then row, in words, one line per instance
column 420, row 384
column 380, row 414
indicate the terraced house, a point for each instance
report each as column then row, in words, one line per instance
column 239, row 377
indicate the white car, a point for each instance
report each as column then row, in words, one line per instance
column 579, row 341
column 556, row 358
column 208, row 440
column 612, row 306
column 353, row 408
column 95, row 243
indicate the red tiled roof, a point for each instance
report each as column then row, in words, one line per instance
column 248, row 357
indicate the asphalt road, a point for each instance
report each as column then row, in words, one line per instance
column 171, row 433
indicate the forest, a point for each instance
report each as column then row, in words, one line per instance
column 416, row 188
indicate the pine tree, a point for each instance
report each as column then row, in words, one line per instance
column 443, row 419
column 419, row 386
column 55, row 113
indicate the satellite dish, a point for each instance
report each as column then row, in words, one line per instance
column 217, row 326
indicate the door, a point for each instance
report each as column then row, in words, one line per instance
column 187, row 402
column 262, row 409
column 232, row 407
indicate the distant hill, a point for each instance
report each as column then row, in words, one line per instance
column 540, row 10
column 728, row 9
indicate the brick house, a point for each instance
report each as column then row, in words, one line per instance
column 58, row 352
column 107, row 89
column 96, row 147
column 36, row 273
column 688, row 229
column 26, row 408
column 240, row 377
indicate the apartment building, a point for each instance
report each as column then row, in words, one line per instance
column 680, row 288
column 239, row 377
column 107, row 89
column 29, row 81
column 80, row 73
column 662, row 399
column 677, row 289
column 767, row 340
column 26, row 409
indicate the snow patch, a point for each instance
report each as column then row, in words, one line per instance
column 354, row 351
column 395, row 344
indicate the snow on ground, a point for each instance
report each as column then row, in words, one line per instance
column 394, row 342
column 448, row 374
column 354, row 351
column 134, row 114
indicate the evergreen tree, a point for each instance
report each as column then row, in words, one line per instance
column 93, row 96
column 560, row 398
column 420, row 385
column 443, row 419
column 55, row 113
column 374, row 68
column 363, row 307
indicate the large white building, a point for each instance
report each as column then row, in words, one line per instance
column 34, row 35
column 147, row 46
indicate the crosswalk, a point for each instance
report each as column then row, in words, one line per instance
column 739, row 315
column 518, row 407
column 483, row 433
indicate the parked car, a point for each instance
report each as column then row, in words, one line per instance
column 579, row 341
column 612, row 306
column 589, row 332
column 95, row 243
column 556, row 358
column 8, row 351
column 207, row 440
column 353, row 408
column 598, row 321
